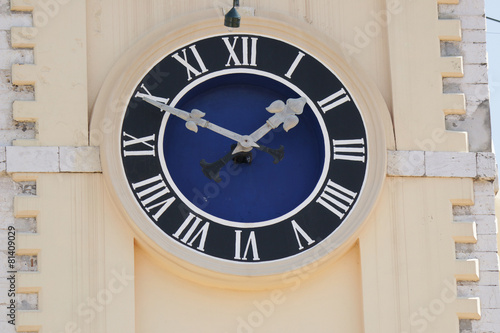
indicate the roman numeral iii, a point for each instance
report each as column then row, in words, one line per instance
column 349, row 150
column 336, row 199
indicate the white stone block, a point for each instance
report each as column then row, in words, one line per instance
column 479, row 92
column 15, row 20
column 476, row 73
column 484, row 198
column 485, row 224
column 27, row 301
column 405, row 163
column 474, row 53
column 486, row 166
column 473, row 22
column 484, row 201
column 450, row 164
column 32, row 159
column 7, row 136
column 6, row 219
column 10, row 93
column 473, row 100
column 463, row 8
column 486, row 243
column 10, row 57
column 80, row 159
column 488, row 278
column 7, row 191
column 489, row 295
column 2, row 160
column 473, row 36
column 488, row 261
column 3, row 240
column 473, row 74
column 4, row 40
column 489, row 323
column 7, row 328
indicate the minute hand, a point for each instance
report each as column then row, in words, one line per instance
column 284, row 114
column 195, row 118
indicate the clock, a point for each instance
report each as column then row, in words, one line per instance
column 245, row 154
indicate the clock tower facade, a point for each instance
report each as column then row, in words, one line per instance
column 327, row 166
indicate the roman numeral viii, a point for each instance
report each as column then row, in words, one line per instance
column 336, row 199
column 154, row 195
column 241, row 56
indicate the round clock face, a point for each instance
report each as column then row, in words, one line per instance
column 244, row 149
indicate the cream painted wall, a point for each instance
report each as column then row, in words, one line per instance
column 113, row 26
column 405, row 262
column 323, row 300
column 404, row 268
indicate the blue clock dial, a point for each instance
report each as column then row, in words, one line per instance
column 216, row 172
column 247, row 192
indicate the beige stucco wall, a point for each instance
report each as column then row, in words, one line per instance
column 314, row 301
column 114, row 26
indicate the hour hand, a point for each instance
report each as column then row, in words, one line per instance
column 285, row 114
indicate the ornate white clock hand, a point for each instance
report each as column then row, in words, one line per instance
column 194, row 119
column 283, row 114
